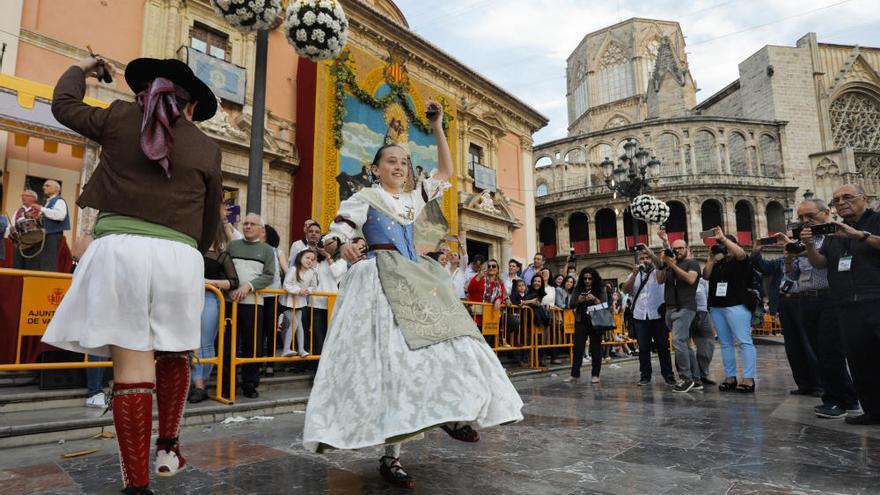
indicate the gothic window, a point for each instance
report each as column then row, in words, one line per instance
column 739, row 164
column 649, row 57
column 616, row 121
column 855, row 121
column 544, row 161
column 581, row 98
column 615, row 82
column 771, row 163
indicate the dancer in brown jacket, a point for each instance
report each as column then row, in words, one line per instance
column 137, row 293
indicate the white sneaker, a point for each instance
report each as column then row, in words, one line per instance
column 98, row 400
column 167, row 463
column 595, row 379
column 288, row 354
column 303, row 354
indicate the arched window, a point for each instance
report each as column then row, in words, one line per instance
column 669, row 153
column 542, row 190
column 676, row 225
column 739, row 163
column 744, row 223
column 606, row 230
column 581, row 91
column 771, row 163
column 579, row 233
column 547, row 237
column 712, row 216
column 855, row 121
column 601, row 151
column 544, row 161
column 775, row 218
column 615, row 81
column 628, row 230
column 704, row 149
column 576, row 155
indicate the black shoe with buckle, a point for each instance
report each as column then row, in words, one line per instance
column 464, row 433
column 392, row 471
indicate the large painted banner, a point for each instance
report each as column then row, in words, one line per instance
column 387, row 109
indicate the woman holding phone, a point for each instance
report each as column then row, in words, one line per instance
column 589, row 291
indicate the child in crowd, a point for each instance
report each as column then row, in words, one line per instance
column 300, row 283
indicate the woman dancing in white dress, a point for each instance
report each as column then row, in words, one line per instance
column 402, row 354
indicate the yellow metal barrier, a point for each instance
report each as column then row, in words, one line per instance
column 770, row 326
column 32, row 289
column 258, row 355
column 559, row 334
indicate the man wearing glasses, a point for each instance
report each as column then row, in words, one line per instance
column 681, row 275
column 817, row 320
column 852, row 257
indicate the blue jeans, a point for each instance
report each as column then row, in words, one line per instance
column 95, row 376
column 210, row 322
column 734, row 324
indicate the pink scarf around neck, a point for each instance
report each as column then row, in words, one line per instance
column 160, row 112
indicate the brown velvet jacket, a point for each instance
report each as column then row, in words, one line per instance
column 129, row 183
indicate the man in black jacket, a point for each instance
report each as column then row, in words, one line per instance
column 852, row 257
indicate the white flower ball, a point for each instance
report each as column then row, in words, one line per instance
column 309, row 18
column 318, row 35
column 301, row 35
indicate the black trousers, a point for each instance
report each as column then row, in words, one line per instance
column 582, row 331
column 42, row 261
column 268, row 327
column 315, row 322
column 819, row 320
column 250, row 373
column 800, row 354
column 860, row 327
column 648, row 331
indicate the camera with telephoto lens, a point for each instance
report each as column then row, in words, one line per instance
column 796, row 247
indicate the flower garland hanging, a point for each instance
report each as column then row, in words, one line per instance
column 317, row 29
column 248, row 15
column 650, row 209
column 345, row 80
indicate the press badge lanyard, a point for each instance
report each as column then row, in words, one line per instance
column 845, row 263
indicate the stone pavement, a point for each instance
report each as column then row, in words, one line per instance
column 613, row 437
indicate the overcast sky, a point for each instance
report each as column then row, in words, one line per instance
column 522, row 44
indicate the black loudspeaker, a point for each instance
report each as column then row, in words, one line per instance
column 61, row 379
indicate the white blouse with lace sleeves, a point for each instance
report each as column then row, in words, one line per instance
column 354, row 210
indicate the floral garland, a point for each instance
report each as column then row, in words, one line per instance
column 345, row 79
column 650, row 209
column 317, row 29
column 248, row 15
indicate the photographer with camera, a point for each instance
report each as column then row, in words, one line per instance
column 851, row 254
column 642, row 312
column 680, row 275
column 798, row 349
column 730, row 275
column 818, row 319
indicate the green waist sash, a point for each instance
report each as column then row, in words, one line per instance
column 115, row 223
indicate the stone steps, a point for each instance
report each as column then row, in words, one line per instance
column 31, row 417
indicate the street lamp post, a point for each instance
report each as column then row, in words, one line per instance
column 631, row 178
column 255, row 159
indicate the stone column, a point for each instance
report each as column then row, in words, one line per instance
column 591, row 225
column 621, row 233
column 695, row 220
column 760, row 218
column 506, row 250
column 725, row 157
column 562, row 241
column 729, row 216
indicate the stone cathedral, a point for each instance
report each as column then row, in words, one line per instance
column 799, row 120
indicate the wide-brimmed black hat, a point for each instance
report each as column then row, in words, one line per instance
column 141, row 71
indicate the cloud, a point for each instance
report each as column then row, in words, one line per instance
column 522, row 44
column 361, row 142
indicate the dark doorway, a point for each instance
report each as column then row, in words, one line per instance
column 476, row 247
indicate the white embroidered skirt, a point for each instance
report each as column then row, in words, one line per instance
column 135, row 292
column 371, row 388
